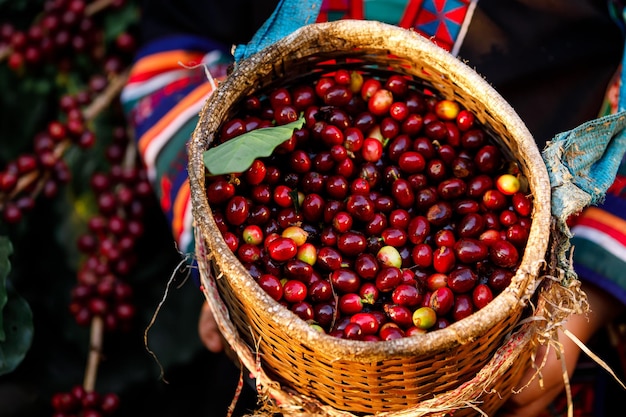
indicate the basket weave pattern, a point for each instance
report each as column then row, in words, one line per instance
column 353, row 376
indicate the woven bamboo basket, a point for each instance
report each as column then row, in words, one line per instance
column 471, row 365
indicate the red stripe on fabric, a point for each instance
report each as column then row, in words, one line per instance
column 161, row 62
column 147, row 75
column 410, row 13
column 619, row 186
column 611, row 220
column 166, row 189
column 356, row 9
column 604, row 228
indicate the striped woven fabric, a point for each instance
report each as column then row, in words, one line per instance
column 599, row 241
column 168, row 85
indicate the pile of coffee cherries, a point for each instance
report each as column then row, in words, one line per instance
column 390, row 213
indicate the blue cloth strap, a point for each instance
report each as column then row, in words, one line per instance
column 288, row 16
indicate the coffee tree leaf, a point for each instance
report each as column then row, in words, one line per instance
column 6, row 249
column 16, row 318
column 18, row 325
column 25, row 101
column 120, row 20
column 237, row 154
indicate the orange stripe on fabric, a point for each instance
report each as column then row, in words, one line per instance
column 604, row 217
column 154, row 64
column 180, row 208
column 201, row 91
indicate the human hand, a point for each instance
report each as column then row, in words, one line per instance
column 533, row 399
column 208, row 331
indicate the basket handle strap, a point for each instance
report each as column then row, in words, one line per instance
column 288, row 16
column 583, row 162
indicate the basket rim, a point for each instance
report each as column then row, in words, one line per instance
column 384, row 37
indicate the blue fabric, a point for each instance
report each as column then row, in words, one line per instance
column 288, row 16
column 586, row 157
column 583, row 162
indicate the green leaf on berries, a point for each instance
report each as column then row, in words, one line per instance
column 18, row 329
column 16, row 319
column 6, row 249
column 237, row 154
